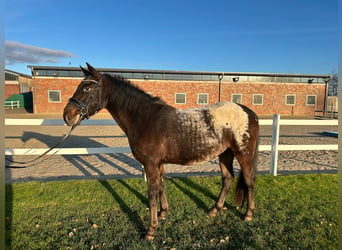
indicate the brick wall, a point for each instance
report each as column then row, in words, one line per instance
column 273, row 94
column 274, row 97
column 167, row 90
column 11, row 89
column 41, row 87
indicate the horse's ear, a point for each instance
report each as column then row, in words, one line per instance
column 92, row 70
column 85, row 71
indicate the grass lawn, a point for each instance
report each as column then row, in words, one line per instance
column 292, row 212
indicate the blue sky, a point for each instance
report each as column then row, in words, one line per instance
column 292, row 36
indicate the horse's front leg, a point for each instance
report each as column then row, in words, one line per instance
column 162, row 196
column 153, row 180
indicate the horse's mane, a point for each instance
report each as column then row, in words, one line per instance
column 128, row 96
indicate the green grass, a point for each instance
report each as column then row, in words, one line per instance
column 297, row 212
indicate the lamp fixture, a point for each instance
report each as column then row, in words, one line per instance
column 236, row 79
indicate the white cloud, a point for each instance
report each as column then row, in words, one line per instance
column 16, row 53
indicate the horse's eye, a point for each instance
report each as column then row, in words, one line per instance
column 86, row 89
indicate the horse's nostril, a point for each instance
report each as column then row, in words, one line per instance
column 71, row 118
column 67, row 119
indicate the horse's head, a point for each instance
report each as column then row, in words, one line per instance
column 87, row 99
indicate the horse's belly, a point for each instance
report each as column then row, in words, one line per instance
column 188, row 154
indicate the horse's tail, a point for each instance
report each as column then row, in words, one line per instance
column 241, row 190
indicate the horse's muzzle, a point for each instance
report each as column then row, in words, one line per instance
column 71, row 116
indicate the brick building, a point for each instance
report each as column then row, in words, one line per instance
column 265, row 93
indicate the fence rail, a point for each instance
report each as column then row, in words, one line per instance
column 321, row 114
column 12, row 104
column 274, row 147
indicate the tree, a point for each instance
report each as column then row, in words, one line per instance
column 333, row 85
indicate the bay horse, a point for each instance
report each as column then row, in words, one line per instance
column 159, row 133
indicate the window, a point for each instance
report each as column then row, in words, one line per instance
column 187, row 77
column 54, row 96
column 180, row 98
column 237, row 98
column 310, row 100
column 258, row 99
column 157, row 76
column 169, row 76
column 207, row 78
column 11, row 77
column 138, row 75
column 290, row 99
column 202, row 98
column 197, row 77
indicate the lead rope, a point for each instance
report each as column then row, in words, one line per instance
column 45, row 153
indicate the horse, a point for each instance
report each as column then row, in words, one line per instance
column 159, row 134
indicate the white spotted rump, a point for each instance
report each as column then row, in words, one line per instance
column 230, row 115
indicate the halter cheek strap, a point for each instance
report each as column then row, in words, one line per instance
column 84, row 108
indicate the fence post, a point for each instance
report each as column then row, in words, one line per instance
column 274, row 146
column 143, row 172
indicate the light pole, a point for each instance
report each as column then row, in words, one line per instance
column 326, row 80
column 220, row 77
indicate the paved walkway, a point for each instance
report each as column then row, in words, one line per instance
column 104, row 166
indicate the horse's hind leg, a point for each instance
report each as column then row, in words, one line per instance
column 245, row 186
column 226, row 165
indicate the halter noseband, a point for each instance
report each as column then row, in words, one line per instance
column 84, row 112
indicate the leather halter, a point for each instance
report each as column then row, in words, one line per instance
column 84, row 112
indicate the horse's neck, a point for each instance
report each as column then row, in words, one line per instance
column 121, row 120
column 131, row 108
column 122, row 117
column 126, row 115
column 139, row 115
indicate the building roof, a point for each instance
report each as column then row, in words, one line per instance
column 57, row 68
column 148, row 74
column 17, row 73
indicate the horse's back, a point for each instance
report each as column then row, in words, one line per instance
column 203, row 133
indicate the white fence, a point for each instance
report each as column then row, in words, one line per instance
column 12, row 104
column 274, row 147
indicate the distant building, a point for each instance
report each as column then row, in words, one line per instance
column 265, row 93
column 16, row 83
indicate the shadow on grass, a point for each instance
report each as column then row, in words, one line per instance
column 8, row 214
column 132, row 215
column 199, row 188
column 141, row 197
column 191, row 185
column 188, row 192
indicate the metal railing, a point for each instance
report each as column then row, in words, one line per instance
column 12, row 104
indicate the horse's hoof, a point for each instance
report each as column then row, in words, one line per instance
column 149, row 237
column 248, row 218
column 212, row 212
column 162, row 215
